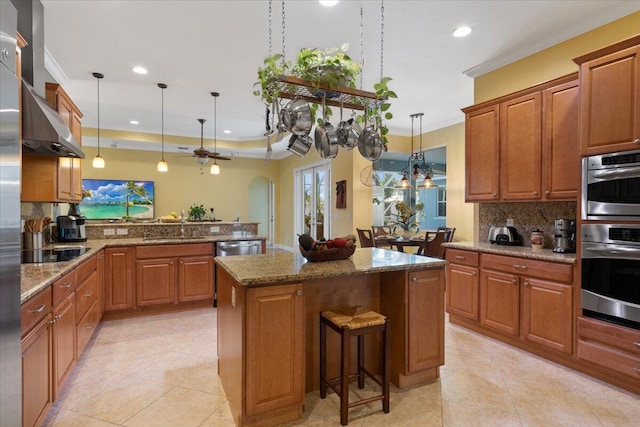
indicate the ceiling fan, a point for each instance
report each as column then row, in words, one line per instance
column 203, row 155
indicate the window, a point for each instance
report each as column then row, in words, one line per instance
column 441, row 202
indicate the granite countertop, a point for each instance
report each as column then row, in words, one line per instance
column 520, row 251
column 36, row 276
column 286, row 267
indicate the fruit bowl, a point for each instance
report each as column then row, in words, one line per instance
column 169, row 220
column 328, row 254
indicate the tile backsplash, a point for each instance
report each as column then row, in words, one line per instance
column 526, row 218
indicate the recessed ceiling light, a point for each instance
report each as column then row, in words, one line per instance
column 462, row 31
column 134, row 122
column 226, row 131
column 328, row 3
column 140, row 69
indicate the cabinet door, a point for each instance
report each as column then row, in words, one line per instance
column 155, row 281
column 500, row 302
column 610, row 103
column 561, row 153
column 546, row 314
column 521, row 147
column 118, row 278
column 37, row 390
column 274, row 348
column 195, row 278
column 482, row 160
column 64, row 341
column 65, row 171
column 425, row 320
column 100, row 274
column 462, row 291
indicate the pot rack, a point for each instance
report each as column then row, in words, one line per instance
column 292, row 87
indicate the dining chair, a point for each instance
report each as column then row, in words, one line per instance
column 432, row 247
column 449, row 233
column 366, row 238
column 381, row 231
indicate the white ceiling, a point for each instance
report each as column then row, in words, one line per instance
column 196, row 47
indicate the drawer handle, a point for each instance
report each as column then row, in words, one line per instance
column 460, row 257
column 637, row 369
column 89, row 326
column 637, row 344
column 519, row 267
column 42, row 307
column 88, row 294
column 68, row 285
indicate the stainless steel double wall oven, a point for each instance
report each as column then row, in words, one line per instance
column 610, row 248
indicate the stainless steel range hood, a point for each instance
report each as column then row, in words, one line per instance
column 43, row 131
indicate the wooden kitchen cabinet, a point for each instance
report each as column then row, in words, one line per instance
column 64, row 341
column 521, row 144
column 610, row 98
column 155, row 281
column 274, row 354
column 500, row 302
column 463, row 283
column 171, row 274
column 560, row 142
column 55, row 179
column 86, row 302
column 482, row 161
column 119, row 278
column 100, row 274
column 37, row 373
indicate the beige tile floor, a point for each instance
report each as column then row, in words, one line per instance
column 160, row 370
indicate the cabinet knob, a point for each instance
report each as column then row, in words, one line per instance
column 514, row 281
column 535, row 193
column 52, row 321
column 547, row 192
column 636, row 141
column 495, row 194
column 526, row 284
column 414, row 279
column 58, row 317
column 637, row 344
column 299, row 292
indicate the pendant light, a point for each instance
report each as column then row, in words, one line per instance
column 98, row 161
column 163, row 166
column 428, row 172
column 215, row 169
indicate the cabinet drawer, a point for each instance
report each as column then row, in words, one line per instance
column 86, row 294
column 458, row 256
column 63, row 287
column 164, row 251
column 86, row 268
column 528, row 267
column 609, row 358
column 625, row 339
column 35, row 309
column 85, row 328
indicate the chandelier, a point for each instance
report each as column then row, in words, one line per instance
column 416, row 162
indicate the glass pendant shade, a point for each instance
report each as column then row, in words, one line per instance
column 98, row 162
column 163, row 166
column 404, row 183
column 428, row 182
column 215, row 169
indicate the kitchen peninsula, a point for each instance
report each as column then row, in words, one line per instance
column 268, row 324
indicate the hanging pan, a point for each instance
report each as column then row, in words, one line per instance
column 326, row 137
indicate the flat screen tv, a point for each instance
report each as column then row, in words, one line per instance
column 117, row 199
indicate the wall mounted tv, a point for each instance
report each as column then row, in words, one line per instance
column 117, row 199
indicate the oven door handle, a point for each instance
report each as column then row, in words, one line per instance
column 614, row 251
column 618, row 173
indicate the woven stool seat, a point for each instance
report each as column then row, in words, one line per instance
column 354, row 317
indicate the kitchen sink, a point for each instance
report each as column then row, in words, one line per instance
column 172, row 238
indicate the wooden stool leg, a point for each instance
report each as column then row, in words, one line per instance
column 323, row 359
column 344, row 376
column 360, row 361
column 386, row 374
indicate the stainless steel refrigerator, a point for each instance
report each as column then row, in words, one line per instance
column 10, row 352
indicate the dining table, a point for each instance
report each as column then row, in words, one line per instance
column 399, row 243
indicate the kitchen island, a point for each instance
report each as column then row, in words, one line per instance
column 268, row 324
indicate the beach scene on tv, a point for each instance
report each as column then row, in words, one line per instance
column 116, row 199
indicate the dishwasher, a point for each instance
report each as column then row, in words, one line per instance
column 235, row 247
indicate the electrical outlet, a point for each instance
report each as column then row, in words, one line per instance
column 214, row 229
column 109, row 232
column 122, row 231
column 509, row 222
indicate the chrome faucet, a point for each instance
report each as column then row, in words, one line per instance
column 182, row 224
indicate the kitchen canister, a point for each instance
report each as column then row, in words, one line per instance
column 32, row 240
column 537, row 240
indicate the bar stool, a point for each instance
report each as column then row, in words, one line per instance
column 353, row 322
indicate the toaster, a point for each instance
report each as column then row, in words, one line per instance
column 505, row 236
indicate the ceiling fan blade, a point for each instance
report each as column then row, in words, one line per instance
column 218, row 156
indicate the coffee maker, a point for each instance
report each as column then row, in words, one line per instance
column 71, row 226
column 564, row 238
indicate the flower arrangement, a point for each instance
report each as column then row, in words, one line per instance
column 404, row 216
